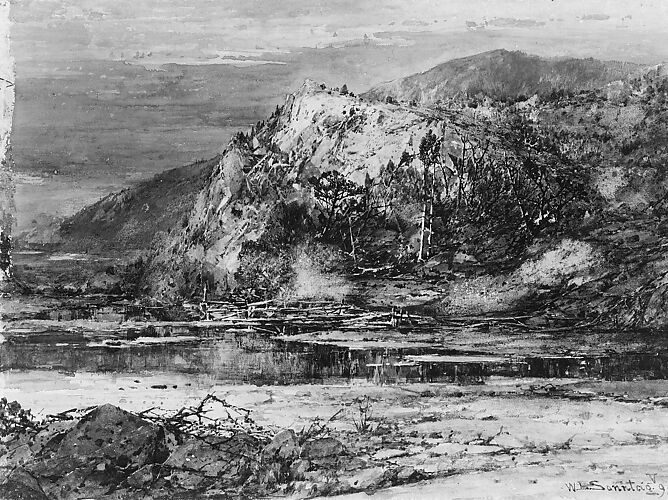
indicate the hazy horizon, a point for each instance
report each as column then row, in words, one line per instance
column 111, row 92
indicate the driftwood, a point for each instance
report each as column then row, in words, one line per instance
column 73, row 414
column 194, row 422
column 15, row 420
column 285, row 318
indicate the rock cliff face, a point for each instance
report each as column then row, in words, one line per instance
column 328, row 130
column 317, row 130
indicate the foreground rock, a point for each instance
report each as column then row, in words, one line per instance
column 21, row 485
column 112, row 453
column 98, row 454
column 419, row 433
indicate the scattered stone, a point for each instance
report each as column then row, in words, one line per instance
column 304, row 489
column 507, row 441
column 284, row 445
column 229, row 459
column 368, row 479
column 389, row 453
column 322, row 448
column 189, row 480
column 406, row 473
column 99, row 453
column 142, row 477
column 457, row 449
column 298, row 468
column 21, row 485
column 17, row 455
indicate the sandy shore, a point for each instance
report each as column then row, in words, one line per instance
column 508, row 438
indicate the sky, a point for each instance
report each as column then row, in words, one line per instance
column 109, row 92
column 254, row 31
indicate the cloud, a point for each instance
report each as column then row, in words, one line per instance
column 511, row 22
column 252, row 53
column 195, row 30
column 595, row 17
column 238, row 62
column 414, row 22
column 503, row 22
column 379, row 39
column 193, row 57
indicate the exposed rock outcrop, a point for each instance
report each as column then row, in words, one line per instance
column 317, row 130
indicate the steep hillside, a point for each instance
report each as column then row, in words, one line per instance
column 129, row 220
column 552, row 205
column 503, row 75
column 329, row 170
column 263, row 184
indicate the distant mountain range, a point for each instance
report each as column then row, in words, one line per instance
column 501, row 74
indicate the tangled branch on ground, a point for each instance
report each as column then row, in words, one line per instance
column 195, row 421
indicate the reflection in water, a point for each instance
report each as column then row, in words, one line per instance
column 244, row 357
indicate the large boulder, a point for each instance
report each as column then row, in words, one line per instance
column 110, row 433
column 96, row 455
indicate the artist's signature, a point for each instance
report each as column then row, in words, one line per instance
column 647, row 487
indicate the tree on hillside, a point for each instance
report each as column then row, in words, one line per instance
column 515, row 179
column 344, row 206
column 551, row 188
column 430, row 156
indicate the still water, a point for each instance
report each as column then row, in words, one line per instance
column 247, row 357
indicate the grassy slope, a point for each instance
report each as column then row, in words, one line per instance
column 129, row 220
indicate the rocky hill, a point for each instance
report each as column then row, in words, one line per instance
column 503, row 75
column 551, row 201
column 262, row 193
column 130, row 219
